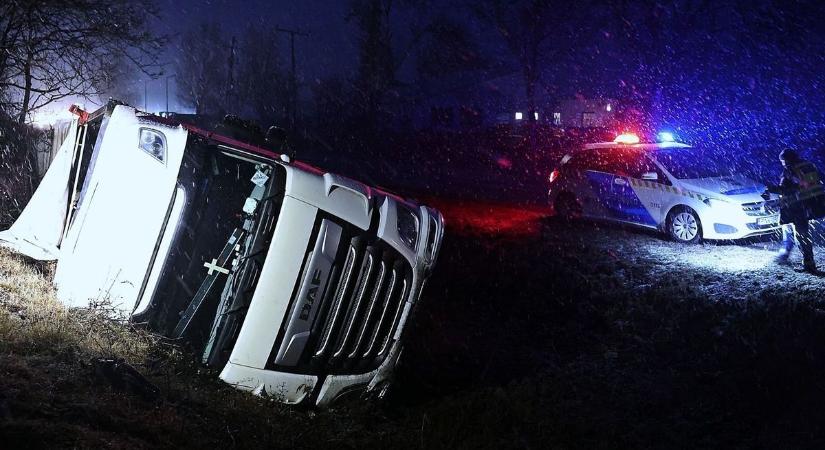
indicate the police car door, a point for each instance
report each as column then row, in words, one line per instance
column 629, row 166
column 124, row 203
column 601, row 174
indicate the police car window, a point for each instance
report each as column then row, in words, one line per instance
column 631, row 163
column 587, row 160
column 601, row 161
column 692, row 163
column 623, row 162
column 643, row 165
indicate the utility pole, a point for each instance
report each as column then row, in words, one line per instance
column 145, row 91
column 293, row 82
column 167, row 91
column 231, row 83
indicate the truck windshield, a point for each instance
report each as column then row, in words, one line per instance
column 230, row 212
column 691, row 163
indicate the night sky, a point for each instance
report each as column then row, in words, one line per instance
column 738, row 89
column 328, row 50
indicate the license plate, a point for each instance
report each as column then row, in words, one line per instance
column 770, row 220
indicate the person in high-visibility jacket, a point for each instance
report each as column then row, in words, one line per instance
column 802, row 200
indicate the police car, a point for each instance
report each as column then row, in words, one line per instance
column 669, row 186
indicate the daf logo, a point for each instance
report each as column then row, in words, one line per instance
column 311, row 295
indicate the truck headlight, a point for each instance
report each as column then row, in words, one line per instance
column 154, row 143
column 407, row 222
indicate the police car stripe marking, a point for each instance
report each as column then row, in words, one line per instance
column 664, row 188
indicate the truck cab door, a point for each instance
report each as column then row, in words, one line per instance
column 121, row 212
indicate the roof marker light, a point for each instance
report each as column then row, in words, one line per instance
column 665, row 136
column 626, row 138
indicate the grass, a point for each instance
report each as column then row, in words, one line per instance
column 51, row 394
column 31, row 319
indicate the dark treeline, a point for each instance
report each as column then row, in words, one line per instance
column 728, row 72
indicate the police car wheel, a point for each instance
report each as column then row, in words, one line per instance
column 566, row 206
column 683, row 226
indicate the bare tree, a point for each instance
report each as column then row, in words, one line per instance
column 202, row 68
column 218, row 73
column 122, row 81
column 261, row 81
column 382, row 51
column 53, row 49
column 376, row 69
column 536, row 32
column 448, row 48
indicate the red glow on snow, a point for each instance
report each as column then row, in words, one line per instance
column 504, row 163
column 471, row 217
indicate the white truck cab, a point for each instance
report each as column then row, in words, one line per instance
column 291, row 281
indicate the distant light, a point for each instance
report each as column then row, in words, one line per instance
column 626, row 138
column 519, row 116
column 665, row 136
column 609, row 107
column 536, row 115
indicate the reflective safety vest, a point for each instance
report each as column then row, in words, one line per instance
column 810, row 185
column 803, row 194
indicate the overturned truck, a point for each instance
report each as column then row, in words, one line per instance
column 289, row 280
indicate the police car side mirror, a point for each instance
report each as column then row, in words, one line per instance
column 652, row 176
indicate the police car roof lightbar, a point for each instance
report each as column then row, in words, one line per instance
column 626, row 138
column 665, row 136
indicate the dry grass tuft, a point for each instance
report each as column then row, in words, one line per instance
column 31, row 318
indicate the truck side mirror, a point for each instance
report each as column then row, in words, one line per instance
column 275, row 136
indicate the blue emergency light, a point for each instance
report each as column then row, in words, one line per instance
column 665, row 136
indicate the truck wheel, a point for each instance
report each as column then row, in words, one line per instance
column 683, row 226
column 567, row 207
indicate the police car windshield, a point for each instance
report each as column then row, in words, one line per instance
column 690, row 163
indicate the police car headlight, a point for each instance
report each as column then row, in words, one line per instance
column 407, row 221
column 154, row 143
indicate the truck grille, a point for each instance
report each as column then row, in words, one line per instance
column 352, row 329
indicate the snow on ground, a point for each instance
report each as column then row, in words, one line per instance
column 731, row 270
column 741, row 269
